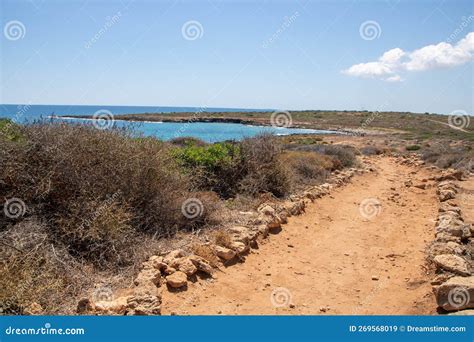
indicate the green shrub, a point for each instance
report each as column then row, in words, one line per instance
column 251, row 167
column 213, row 167
column 9, row 130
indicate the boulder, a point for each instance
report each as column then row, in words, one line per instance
column 186, row 266
column 451, row 175
column 454, row 228
column 446, row 237
column 444, row 195
column 201, row 264
column 439, row 248
column 224, row 253
column 117, row 306
column 177, row 279
column 172, row 256
column 456, row 293
column 274, row 224
column 147, row 277
column 239, row 247
column 452, row 263
column 266, row 210
column 156, row 261
column 263, row 230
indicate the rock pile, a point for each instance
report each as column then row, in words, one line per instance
column 452, row 251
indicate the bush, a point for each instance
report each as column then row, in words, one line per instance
column 96, row 189
column 9, row 130
column 307, row 167
column 444, row 156
column 262, row 168
column 187, row 141
column 251, row 167
column 342, row 155
column 213, row 167
column 32, row 270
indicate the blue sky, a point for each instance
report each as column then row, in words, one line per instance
column 247, row 54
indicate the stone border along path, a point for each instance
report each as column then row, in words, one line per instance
column 452, row 251
column 174, row 269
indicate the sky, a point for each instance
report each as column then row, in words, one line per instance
column 327, row 55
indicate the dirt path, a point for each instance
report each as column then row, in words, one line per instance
column 332, row 259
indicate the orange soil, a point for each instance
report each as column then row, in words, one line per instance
column 332, row 260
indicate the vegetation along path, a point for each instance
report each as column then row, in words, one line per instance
column 358, row 251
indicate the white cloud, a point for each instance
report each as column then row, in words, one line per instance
column 394, row 61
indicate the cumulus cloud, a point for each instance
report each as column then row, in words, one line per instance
column 389, row 66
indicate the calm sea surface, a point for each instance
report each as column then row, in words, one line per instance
column 210, row 132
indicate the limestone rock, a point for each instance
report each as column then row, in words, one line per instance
column 201, row 264
column 224, row 253
column 456, row 293
column 172, row 256
column 266, row 209
column 452, row 263
column 439, row 248
column 186, row 266
column 148, row 276
column 177, row 279
column 144, row 304
column 239, row 247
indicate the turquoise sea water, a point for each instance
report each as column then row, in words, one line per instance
column 210, row 132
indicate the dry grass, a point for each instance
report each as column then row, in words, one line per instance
column 206, row 252
column 222, row 238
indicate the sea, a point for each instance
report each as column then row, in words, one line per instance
column 209, row 132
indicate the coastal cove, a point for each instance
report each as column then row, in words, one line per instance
column 208, row 131
column 165, row 123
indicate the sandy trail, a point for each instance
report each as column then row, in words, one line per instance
column 332, row 260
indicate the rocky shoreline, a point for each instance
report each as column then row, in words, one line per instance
column 164, row 118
